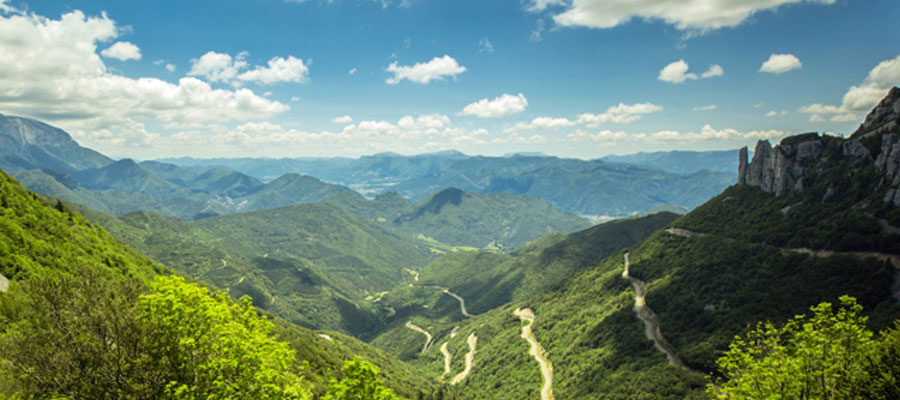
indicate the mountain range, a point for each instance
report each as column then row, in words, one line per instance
column 452, row 301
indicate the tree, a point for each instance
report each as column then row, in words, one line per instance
column 360, row 382
column 96, row 334
column 214, row 349
column 828, row 356
column 76, row 338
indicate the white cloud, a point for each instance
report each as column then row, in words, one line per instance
column 876, row 85
column 170, row 67
column 705, row 108
column 859, row 98
column 7, row 8
column 352, row 71
column 780, row 63
column 436, row 69
column 541, row 5
column 485, row 46
column 690, row 15
column 848, row 117
column 52, row 71
column 122, row 51
column 619, row 114
column 774, row 113
column 295, row 99
column 343, row 120
column 541, row 123
column 604, row 136
column 714, row 70
column 502, row 106
column 217, row 67
column 676, row 72
column 289, row 69
column 707, row 132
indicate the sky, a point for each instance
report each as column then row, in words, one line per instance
column 325, row 78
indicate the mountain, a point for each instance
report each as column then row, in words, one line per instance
column 593, row 187
column 289, row 189
column 682, row 162
column 49, row 241
column 28, row 144
column 312, row 264
column 811, row 220
column 494, row 220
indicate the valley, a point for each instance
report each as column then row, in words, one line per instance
column 637, row 307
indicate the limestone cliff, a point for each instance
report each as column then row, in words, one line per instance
column 801, row 161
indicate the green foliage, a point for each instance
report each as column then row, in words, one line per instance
column 37, row 236
column 77, row 337
column 360, row 382
column 826, row 356
column 311, row 264
column 99, row 335
column 215, row 349
column 498, row 220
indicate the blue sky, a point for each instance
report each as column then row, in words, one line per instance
column 574, row 78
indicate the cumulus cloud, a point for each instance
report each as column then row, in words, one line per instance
column 688, row 15
column 714, row 70
column 774, row 113
column 707, row 132
column 343, row 120
column 352, row 71
column 170, row 67
column 677, row 72
column 436, row 69
column 859, row 98
column 541, row 123
column 217, row 67
column 619, row 114
column 220, row 67
column 122, row 51
column 502, row 106
column 52, row 71
column 279, row 69
column 705, row 108
column 780, row 63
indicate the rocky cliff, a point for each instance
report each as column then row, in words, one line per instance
column 800, row 162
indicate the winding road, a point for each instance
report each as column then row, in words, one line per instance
column 472, row 340
column 419, row 329
column 462, row 303
column 536, row 351
column 447, row 358
column 4, row 283
column 651, row 321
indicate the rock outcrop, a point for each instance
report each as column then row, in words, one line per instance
column 781, row 169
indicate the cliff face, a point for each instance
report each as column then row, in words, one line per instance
column 797, row 163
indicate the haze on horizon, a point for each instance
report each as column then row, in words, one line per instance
column 316, row 78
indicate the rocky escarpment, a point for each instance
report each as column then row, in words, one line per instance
column 798, row 161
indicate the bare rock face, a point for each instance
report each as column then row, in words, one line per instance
column 780, row 170
column 771, row 169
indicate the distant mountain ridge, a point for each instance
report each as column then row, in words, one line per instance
column 577, row 186
column 682, row 162
column 28, row 144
